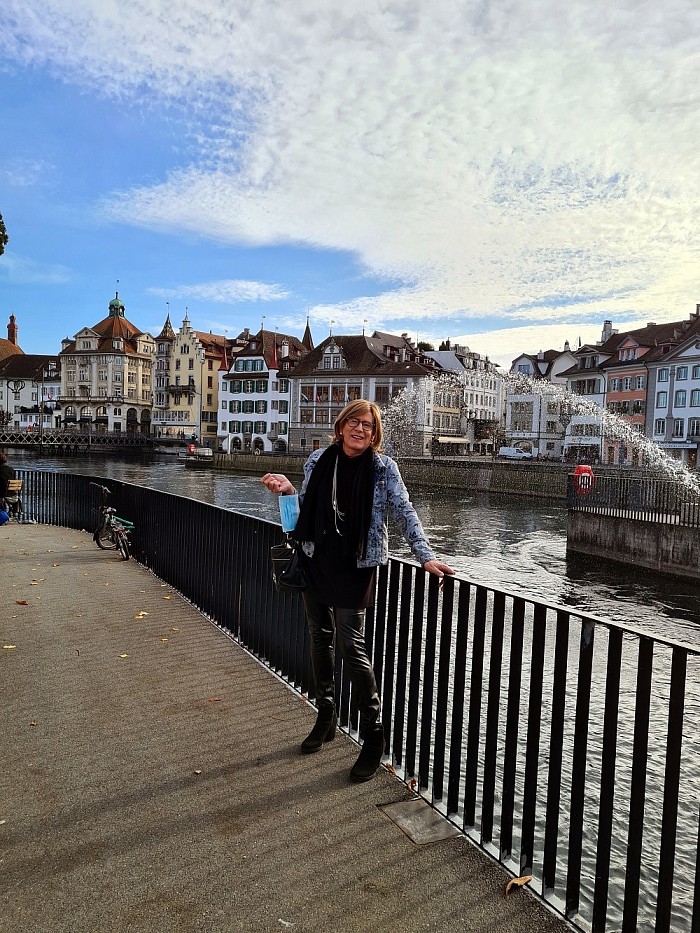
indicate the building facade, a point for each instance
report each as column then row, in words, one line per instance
column 383, row 368
column 254, row 395
column 186, row 389
column 30, row 386
column 107, row 376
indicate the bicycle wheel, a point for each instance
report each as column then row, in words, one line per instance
column 123, row 544
column 104, row 537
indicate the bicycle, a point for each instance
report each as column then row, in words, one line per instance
column 112, row 531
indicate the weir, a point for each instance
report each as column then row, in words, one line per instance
column 564, row 746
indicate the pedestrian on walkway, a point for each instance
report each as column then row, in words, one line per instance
column 347, row 491
column 6, row 473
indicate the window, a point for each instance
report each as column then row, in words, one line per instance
column 260, row 427
column 306, row 416
column 321, row 416
column 641, row 382
column 247, row 427
column 190, row 363
column 235, row 386
column 234, row 427
column 381, row 395
column 661, row 399
column 185, row 349
column 627, row 383
column 234, row 407
column 695, row 398
column 248, row 406
column 663, row 375
column 696, row 372
column 177, row 364
column 336, row 362
column 210, row 365
column 693, row 427
column 682, row 372
column 248, row 386
column 680, row 398
column 210, row 400
column 678, row 427
column 261, row 385
column 283, row 407
column 284, row 385
column 261, row 407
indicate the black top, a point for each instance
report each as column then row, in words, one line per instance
column 6, row 473
column 334, row 575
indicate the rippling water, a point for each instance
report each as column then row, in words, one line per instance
column 509, row 543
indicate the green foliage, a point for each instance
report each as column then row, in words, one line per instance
column 422, row 345
column 4, row 238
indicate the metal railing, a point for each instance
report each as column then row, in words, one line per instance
column 565, row 746
column 642, row 498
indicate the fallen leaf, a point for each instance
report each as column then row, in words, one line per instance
column 9, row 647
column 165, row 638
column 413, row 785
column 55, row 565
column 140, row 615
column 123, row 655
column 197, row 770
column 215, row 699
column 21, row 602
column 75, row 547
column 516, row 883
column 176, row 630
column 33, row 724
column 390, row 768
column 167, row 597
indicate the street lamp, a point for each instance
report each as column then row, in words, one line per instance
column 15, row 386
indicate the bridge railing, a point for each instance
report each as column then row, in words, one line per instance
column 642, row 498
column 565, row 746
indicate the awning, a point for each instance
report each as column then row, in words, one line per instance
column 453, row 440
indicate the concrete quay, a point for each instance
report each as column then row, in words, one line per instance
column 151, row 778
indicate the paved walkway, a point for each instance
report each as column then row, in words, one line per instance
column 150, row 777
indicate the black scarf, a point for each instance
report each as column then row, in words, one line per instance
column 358, row 511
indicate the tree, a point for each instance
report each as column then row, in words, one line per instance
column 4, row 238
column 422, row 345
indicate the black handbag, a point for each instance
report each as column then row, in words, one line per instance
column 288, row 567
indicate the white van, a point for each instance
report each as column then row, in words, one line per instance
column 514, row 453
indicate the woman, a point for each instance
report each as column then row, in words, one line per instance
column 347, row 491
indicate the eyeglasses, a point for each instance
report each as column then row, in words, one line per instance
column 366, row 425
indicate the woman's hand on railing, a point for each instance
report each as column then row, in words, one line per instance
column 278, row 483
column 438, row 569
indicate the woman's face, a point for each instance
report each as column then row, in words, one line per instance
column 357, row 434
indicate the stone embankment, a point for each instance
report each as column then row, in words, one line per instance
column 536, row 480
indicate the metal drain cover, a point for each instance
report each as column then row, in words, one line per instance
column 419, row 821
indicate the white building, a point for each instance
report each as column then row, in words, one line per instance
column 254, row 394
column 534, row 413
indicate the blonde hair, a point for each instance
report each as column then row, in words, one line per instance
column 355, row 410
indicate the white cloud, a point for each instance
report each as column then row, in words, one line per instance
column 529, row 160
column 22, row 173
column 224, row 291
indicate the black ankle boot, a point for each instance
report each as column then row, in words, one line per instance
column 370, row 757
column 323, row 731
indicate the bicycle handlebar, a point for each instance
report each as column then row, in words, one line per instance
column 101, row 488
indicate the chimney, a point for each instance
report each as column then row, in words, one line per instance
column 12, row 330
column 540, row 355
column 651, row 324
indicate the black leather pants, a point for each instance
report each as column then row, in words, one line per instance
column 348, row 626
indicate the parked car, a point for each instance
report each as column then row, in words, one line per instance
column 514, row 453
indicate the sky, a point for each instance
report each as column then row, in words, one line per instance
column 504, row 173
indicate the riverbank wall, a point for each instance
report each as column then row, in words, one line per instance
column 653, row 545
column 533, row 479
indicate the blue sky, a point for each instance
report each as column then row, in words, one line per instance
column 508, row 174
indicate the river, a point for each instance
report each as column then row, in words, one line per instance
column 510, row 543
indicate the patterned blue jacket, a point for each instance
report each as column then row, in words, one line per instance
column 389, row 493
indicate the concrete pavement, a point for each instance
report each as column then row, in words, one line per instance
column 151, row 778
